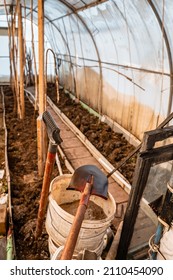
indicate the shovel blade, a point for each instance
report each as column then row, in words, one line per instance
column 81, row 176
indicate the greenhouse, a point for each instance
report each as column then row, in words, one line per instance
column 86, row 109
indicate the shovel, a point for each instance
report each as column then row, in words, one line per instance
column 89, row 180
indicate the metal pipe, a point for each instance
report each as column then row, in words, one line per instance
column 121, row 65
column 67, row 46
column 96, row 48
column 56, row 74
column 71, row 64
column 168, row 47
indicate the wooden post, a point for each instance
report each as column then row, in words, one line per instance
column 34, row 58
column 41, row 55
column 41, row 132
column 21, row 63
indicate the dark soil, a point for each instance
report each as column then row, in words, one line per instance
column 22, row 154
column 3, row 183
column 93, row 212
column 112, row 145
column 25, row 182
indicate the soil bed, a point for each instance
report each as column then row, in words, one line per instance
column 25, row 182
column 112, row 145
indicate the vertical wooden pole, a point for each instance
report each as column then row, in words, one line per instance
column 41, row 98
column 14, row 63
column 10, row 56
column 41, row 55
column 15, row 58
column 34, row 58
column 21, row 62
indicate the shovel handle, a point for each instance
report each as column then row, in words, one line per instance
column 52, row 128
column 45, row 187
column 78, row 219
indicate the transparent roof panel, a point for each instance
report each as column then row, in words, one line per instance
column 76, row 4
column 55, row 9
column 122, row 32
column 128, row 31
column 117, row 45
column 76, row 36
column 56, row 39
column 8, row 2
column 164, row 9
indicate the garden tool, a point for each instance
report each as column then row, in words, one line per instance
column 54, row 140
column 89, row 180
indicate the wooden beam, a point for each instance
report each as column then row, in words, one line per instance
column 157, row 135
column 158, row 155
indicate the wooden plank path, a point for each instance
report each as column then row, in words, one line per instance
column 78, row 154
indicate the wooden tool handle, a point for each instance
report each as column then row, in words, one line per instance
column 78, row 219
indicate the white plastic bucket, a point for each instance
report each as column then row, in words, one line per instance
column 58, row 221
column 166, row 245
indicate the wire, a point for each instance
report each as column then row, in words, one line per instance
column 104, row 67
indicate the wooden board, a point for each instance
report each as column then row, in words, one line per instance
column 71, row 143
column 118, row 193
column 76, row 153
column 87, row 160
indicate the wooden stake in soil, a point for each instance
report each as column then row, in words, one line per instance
column 45, row 188
column 42, row 101
column 34, row 58
column 54, row 139
column 21, row 55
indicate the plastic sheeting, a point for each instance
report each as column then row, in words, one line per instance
column 115, row 55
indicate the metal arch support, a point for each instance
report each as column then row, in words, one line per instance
column 55, row 66
column 66, row 44
column 90, row 5
column 96, row 48
column 83, row 8
column 56, row 73
column 168, row 52
column 62, row 39
column 34, row 9
column 27, row 8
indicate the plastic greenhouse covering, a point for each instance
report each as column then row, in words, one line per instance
column 116, row 55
